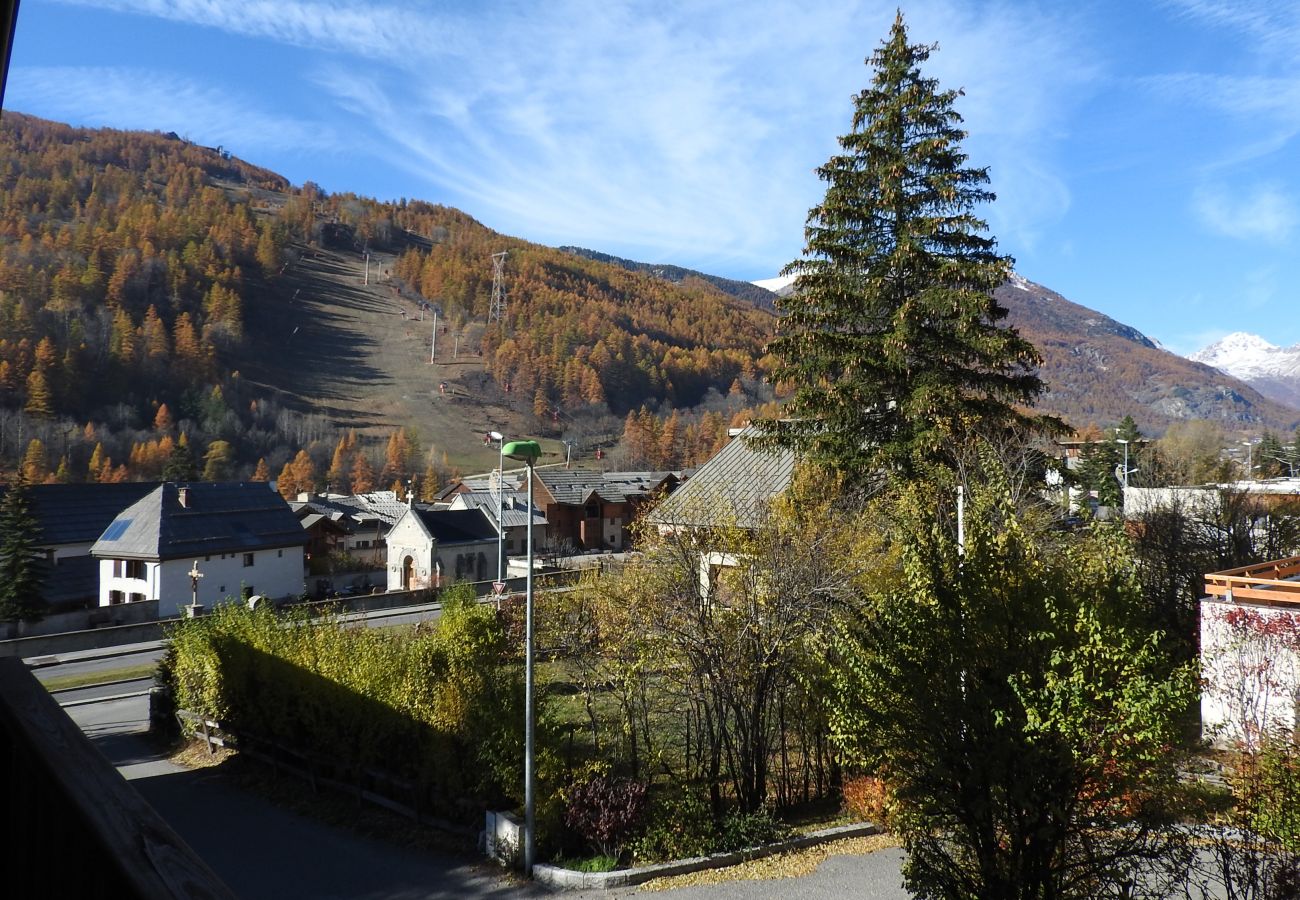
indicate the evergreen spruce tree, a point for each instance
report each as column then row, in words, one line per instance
column 180, row 464
column 891, row 340
column 20, row 562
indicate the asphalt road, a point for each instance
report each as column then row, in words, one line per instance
column 263, row 851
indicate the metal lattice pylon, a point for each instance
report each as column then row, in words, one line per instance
column 497, row 311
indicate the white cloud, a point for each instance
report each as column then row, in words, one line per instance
column 154, row 101
column 1263, row 212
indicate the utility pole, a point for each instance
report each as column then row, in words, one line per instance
column 497, row 311
column 433, row 344
column 367, row 268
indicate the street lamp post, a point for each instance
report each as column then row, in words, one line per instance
column 527, row 452
column 501, row 505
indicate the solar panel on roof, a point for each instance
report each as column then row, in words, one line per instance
column 117, row 529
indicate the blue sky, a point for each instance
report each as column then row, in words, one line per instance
column 1145, row 154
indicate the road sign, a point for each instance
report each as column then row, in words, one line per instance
column 498, row 587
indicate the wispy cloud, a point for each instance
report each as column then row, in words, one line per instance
column 1273, row 26
column 390, row 33
column 149, row 100
column 1264, row 212
column 670, row 128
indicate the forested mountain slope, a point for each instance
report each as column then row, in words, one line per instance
column 166, row 308
column 156, row 294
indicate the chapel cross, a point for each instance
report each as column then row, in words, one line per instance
column 195, row 575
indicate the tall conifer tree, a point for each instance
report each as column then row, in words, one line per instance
column 891, row 340
column 21, row 566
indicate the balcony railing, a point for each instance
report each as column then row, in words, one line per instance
column 1274, row 583
column 76, row 827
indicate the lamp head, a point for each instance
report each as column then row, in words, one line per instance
column 522, row 451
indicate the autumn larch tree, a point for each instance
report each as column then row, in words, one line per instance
column 891, row 340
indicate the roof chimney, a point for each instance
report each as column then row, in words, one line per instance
column 183, row 495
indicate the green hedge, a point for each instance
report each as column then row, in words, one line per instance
column 440, row 706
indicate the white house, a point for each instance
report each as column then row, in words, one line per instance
column 438, row 547
column 1250, row 652
column 242, row 538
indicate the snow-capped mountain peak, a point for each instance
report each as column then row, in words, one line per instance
column 777, row 284
column 1249, row 356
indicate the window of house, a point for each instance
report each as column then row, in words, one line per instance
column 593, row 511
column 248, row 560
column 279, row 554
column 135, row 569
column 116, row 597
column 208, row 558
column 137, row 598
column 117, row 568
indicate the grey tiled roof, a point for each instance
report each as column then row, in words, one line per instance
column 221, row 517
column 515, row 514
column 79, row 513
column 733, row 487
column 574, row 486
column 382, row 506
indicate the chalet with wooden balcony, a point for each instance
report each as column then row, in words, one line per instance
column 1250, row 653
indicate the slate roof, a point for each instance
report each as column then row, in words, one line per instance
column 456, row 526
column 573, row 486
column 221, row 517
column 734, row 487
column 74, row 579
column 515, row 514
column 79, row 513
column 382, row 506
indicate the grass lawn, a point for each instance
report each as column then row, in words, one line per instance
column 86, row 679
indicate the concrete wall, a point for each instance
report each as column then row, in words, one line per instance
column 83, row 619
column 1250, row 665
column 68, row 642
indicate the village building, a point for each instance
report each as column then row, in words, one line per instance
column 433, row 548
column 241, row 537
column 363, row 521
column 734, row 488
column 591, row 510
column 512, row 509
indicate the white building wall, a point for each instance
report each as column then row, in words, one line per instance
column 1250, row 668
column 108, row 582
column 1202, row 501
column 275, row 573
column 408, row 538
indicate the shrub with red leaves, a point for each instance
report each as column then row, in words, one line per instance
column 604, row 810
